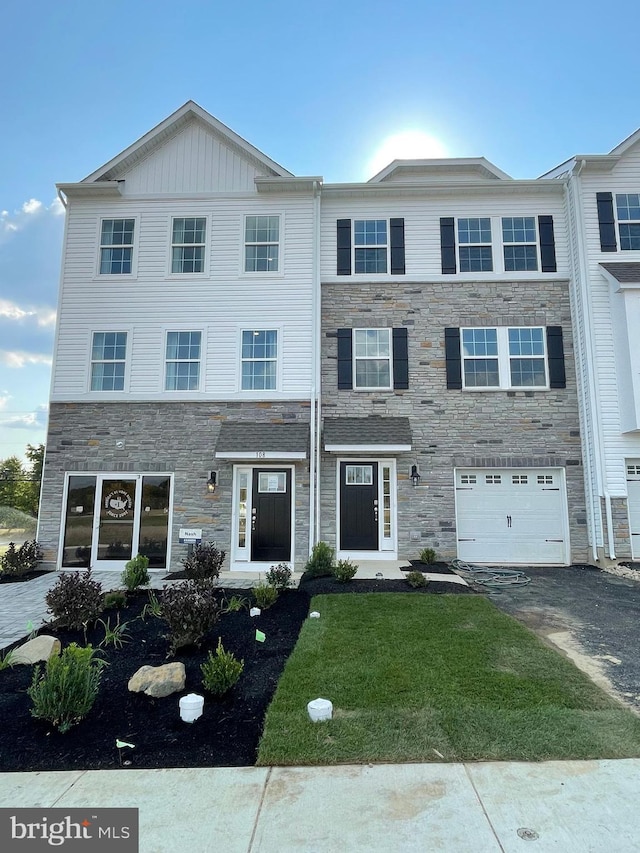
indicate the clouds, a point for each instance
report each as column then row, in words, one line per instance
column 35, row 420
column 11, row 223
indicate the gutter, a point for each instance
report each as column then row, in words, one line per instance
column 315, row 421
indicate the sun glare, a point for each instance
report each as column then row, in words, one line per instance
column 406, row 145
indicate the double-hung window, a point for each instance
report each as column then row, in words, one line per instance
column 259, row 359
column 474, row 244
column 187, row 244
column 182, row 365
column 108, row 361
column 519, row 243
column 370, row 246
column 262, row 244
column 372, row 358
column 504, row 357
column 116, row 246
column 628, row 210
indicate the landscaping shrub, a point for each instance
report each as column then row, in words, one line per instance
column 152, row 607
column 114, row 599
column 19, row 561
column 344, row 571
column 320, row 563
column 428, row 555
column 116, row 636
column 233, row 604
column 416, row 579
column 279, row 576
column 190, row 609
column 265, row 595
column 220, row 671
column 136, row 573
column 75, row 599
column 65, row 692
column 205, row 561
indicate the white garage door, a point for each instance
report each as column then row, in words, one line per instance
column 633, row 502
column 512, row 516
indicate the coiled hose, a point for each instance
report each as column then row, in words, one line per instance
column 490, row 577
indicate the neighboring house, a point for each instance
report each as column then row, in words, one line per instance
column 603, row 200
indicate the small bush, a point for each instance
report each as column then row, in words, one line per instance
column 320, row 563
column 190, row 609
column 136, row 573
column 19, row 561
column 416, row 579
column 114, row 599
column 7, row 660
column 205, row 561
column 344, row 571
column 75, row 599
column 220, row 671
column 265, row 595
column 116, row 636
column 279, row 576
column 152, row 607
column 428, row 555
column 233, row 604
column 65, row 692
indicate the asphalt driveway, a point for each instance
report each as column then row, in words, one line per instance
column 591, row 615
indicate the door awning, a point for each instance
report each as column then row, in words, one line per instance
column 250, row 441
column 374, row 434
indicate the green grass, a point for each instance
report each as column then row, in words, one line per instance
column 427, row 678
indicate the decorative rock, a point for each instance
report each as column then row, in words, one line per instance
column 39, row 649
column 158, row 681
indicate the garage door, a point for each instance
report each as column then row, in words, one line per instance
column 633, row 502
column 512, row 516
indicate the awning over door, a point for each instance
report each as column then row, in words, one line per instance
column 374, row 434
column 247, row 440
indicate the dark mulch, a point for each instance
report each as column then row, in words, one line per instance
column 27, row 576
column 419, row 566
column 228, row 732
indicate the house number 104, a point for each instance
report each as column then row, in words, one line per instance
column 260, row 454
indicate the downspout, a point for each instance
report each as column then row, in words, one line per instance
column 314, row 425
column 318, row 377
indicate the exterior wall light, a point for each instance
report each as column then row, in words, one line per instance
column 212, row 481
column 415, row 475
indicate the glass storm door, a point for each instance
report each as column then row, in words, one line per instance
column 115, row 518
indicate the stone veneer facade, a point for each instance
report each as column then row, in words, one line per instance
column 177, row 438
column 453, row 428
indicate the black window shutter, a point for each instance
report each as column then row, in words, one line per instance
column 400, row 359
column 555, row 356
column 344, row 246
column 607, row 222
column 396, row 234
column 453, row 357
column 547, row 244
column 448, row 244
column 345, row 366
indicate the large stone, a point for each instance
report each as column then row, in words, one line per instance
column 158, row 681
column 39, row 649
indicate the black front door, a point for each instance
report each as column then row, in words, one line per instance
column 359, row 506
column 271, row 515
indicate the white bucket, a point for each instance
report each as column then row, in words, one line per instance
column 191, row 707
column 319, row 710
column 314, row 615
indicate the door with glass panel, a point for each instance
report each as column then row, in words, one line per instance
column 367, row 506
column 262, row 515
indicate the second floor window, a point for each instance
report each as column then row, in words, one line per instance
column 259, row 359
column 370, row 245
column 116, row 246
column 262, row 244
column 372, row 358
column 519, row 243
column 187, row 245
column 108, row 360
column 474, row 245
column 182, row 371
column 628, row 210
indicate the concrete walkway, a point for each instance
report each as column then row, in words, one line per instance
column 564, row 807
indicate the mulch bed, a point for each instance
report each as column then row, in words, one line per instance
column 228, row 732
column 437, row 568
column 28, row 576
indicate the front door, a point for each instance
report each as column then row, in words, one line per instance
column 359, row 506
column 115, row 534
column 271, row 515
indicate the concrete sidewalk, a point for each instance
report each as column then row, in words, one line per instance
column 581, row 806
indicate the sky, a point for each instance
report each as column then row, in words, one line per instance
column 333, row 88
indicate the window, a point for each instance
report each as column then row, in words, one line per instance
column 519, row 243
column 116, row 246
column 259, row 359
column 504, row 358
column 182, row 361
column 370, row 245
column 519, row 479
column 262, row 243
column 187, row 245
column 372, row 358
column 474, row 239
column 493, row 479
column 108, row 358
column 628, row 208
column 359, row 475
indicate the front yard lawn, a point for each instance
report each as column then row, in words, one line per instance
column 427, row 678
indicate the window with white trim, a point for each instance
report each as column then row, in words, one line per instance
column 504, row 357
column 519, row 242
column 372, row 366
column 188, row 244
column 259, row 359
column 358, row 475
column 370, row 246
column 116, row 246
column 182, row 365
column 474, row 244
column 261, row 243
column 108, row 361
column 628, row 210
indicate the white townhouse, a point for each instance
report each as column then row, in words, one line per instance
column 603, row 203
column 184, row 387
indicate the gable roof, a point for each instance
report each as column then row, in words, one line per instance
column 168, row 128
column 472, row 168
